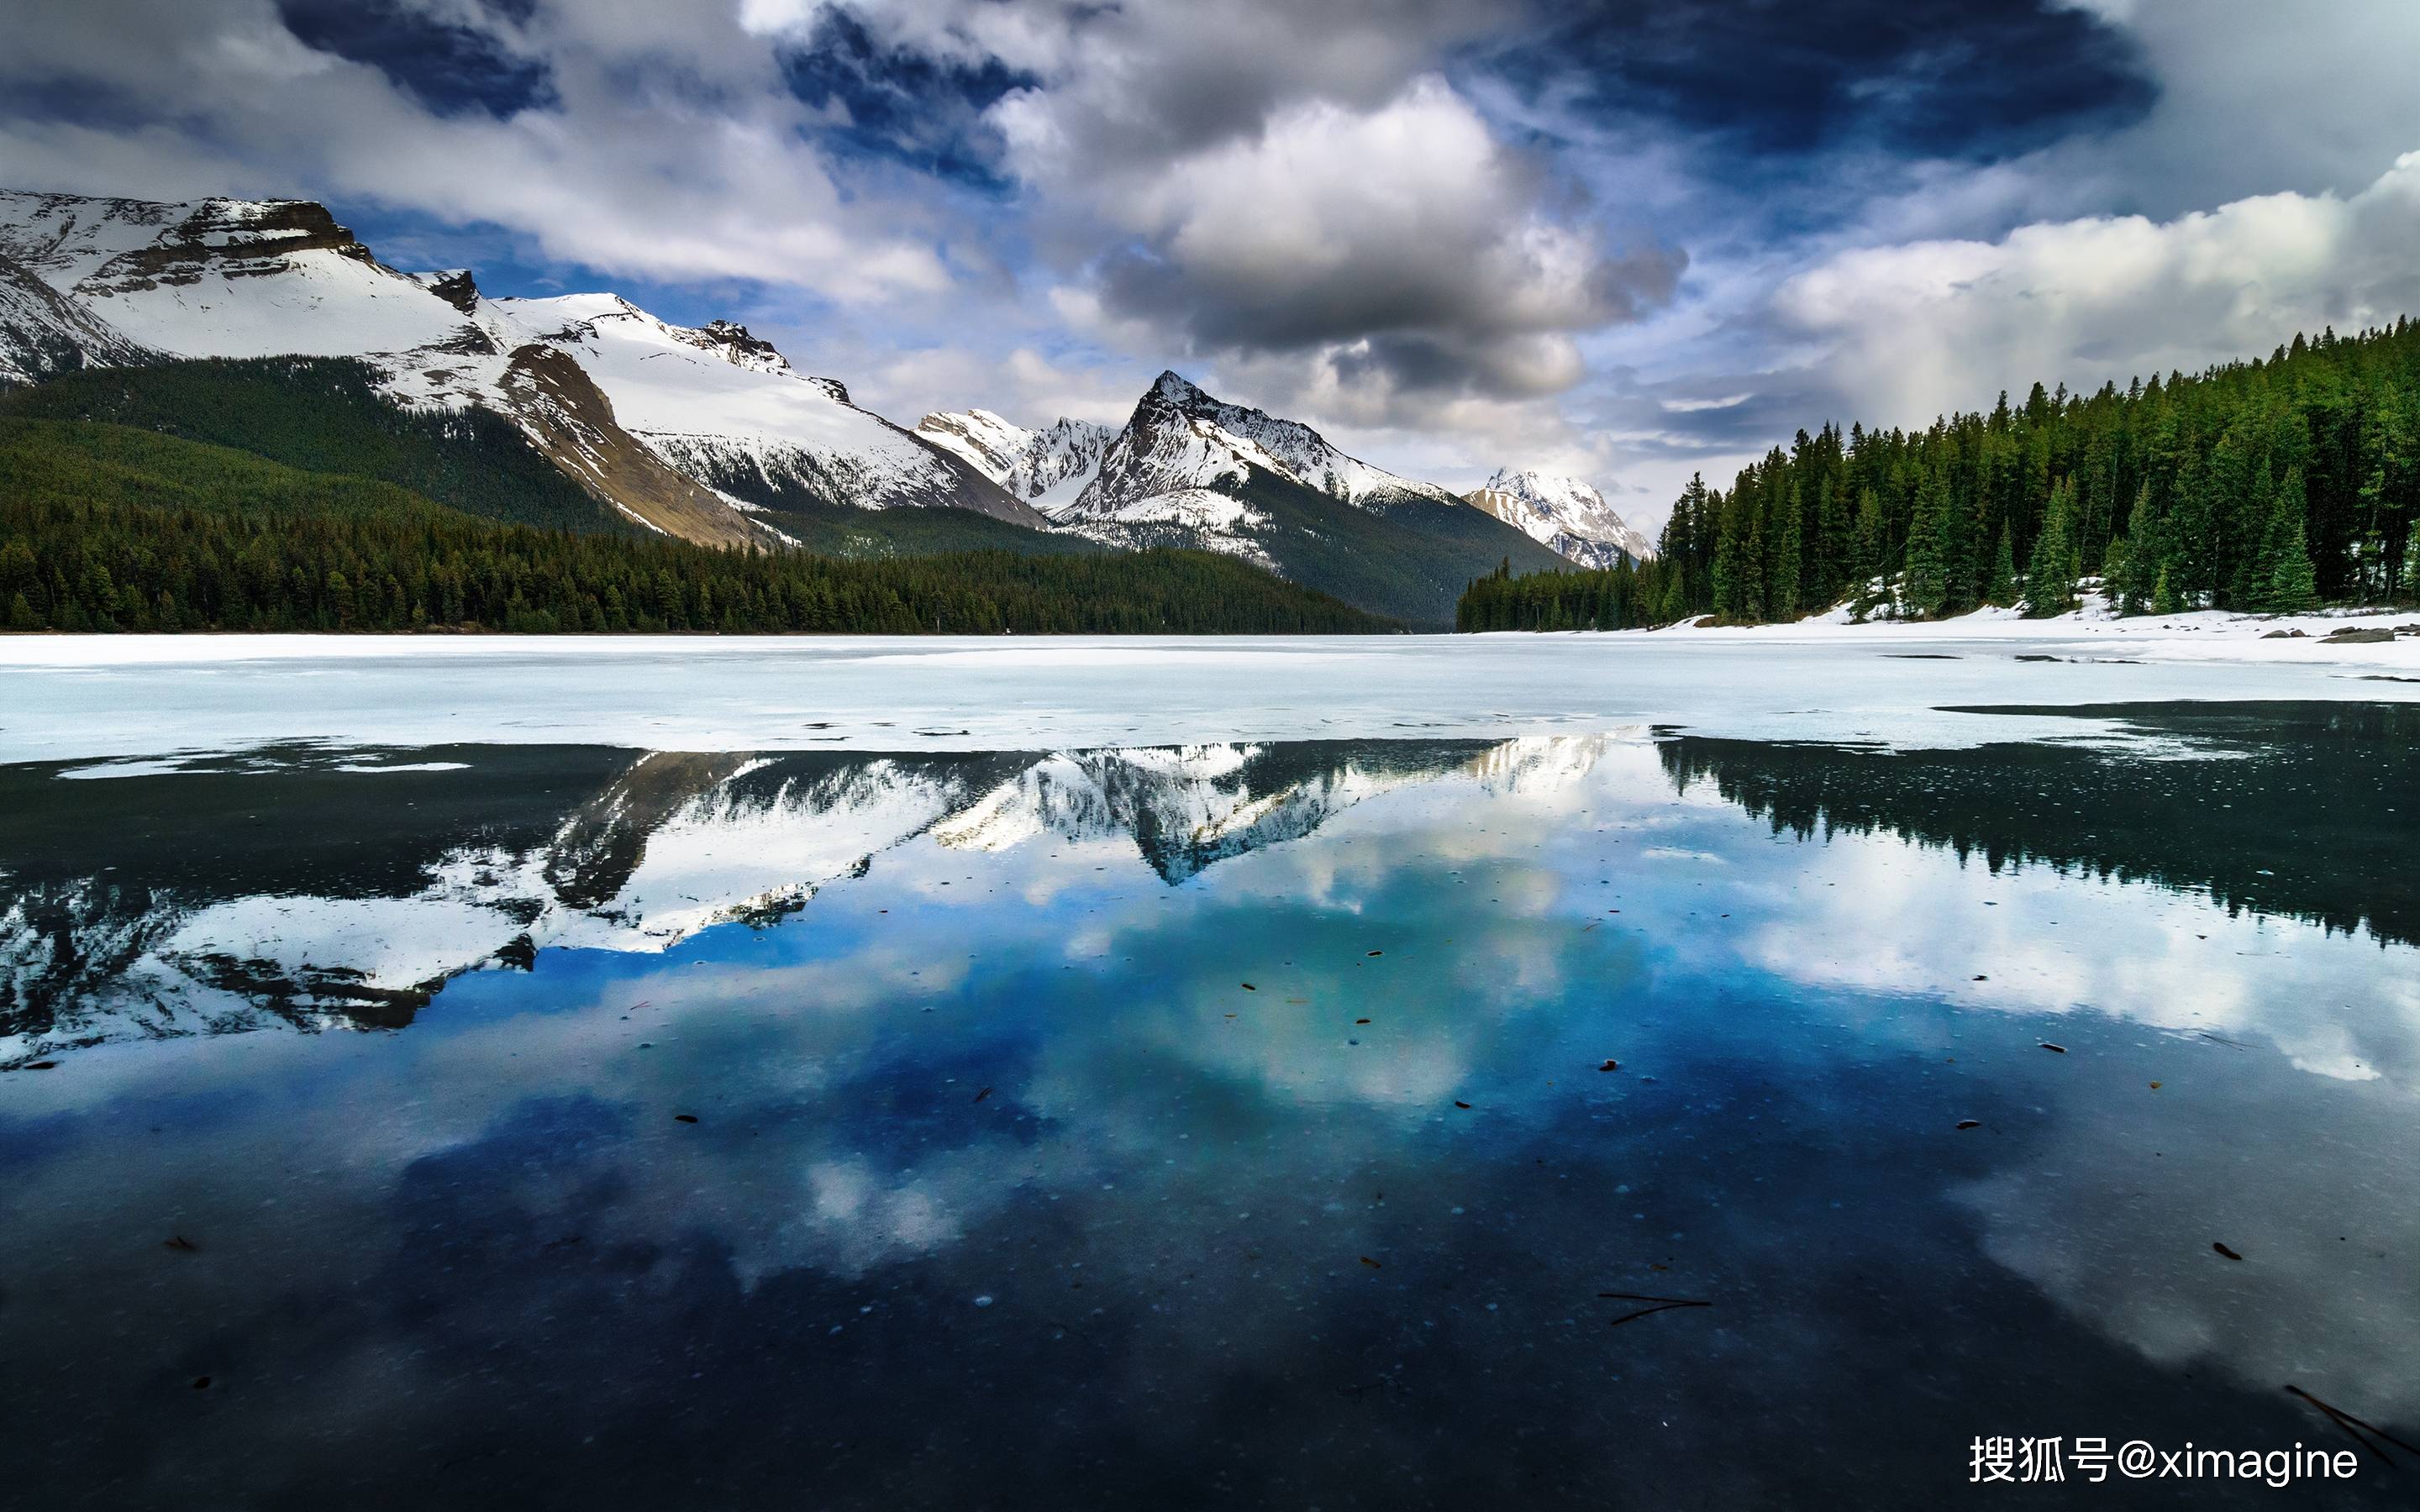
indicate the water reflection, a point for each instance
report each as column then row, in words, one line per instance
column 1005, row 1188
column 314, row 888
column 2302, row 809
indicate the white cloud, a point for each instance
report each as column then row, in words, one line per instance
column 1928, row 326
column 669, row 152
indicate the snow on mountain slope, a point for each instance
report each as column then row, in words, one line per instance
column 221, row 278
column 1563, row 514
column 1182, row 438
column 728, row 410
column 1191, row 471
column 44, row 333
column 672, row 426
column 1049, row 467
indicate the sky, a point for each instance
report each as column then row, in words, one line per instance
column 1623, row 241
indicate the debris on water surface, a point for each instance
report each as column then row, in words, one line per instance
column 1250, row 988
column 39, row 1065
column 2224, row 1250
column 984, row 1093
column 1361, row 1021
column 1610, row 1065
column 1370, row 1263
column 684, row 1117
column 181, row 1244
column 2155, row 1087
column 2060, row 1048
column 1377, row 952
column 2354, row 1427
column 1461, row 1104
column 1970, row 1124
column 201, row 1383
column 1655, row 1305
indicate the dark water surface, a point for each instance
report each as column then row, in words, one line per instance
column 553, row 1127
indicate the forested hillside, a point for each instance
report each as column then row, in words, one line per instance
column 105, row 527
column 2265, row 486
column 326, row 414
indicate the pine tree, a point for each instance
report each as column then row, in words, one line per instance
column 1751, row 568
column 2293, row 586
column 2163, row 597
column 2000, row 587
column 1781, row 601
column 1928, row 589
column 1726, row 575
column 2132, row 583
column 1870, row 559
column 2050, row 579
column 2112, row 565
column 2408, row 581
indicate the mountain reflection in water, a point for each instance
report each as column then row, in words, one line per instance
column 319, row 887
column 1209, row 1124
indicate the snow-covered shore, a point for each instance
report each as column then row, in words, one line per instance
column 2199, row 636
column 99, row 697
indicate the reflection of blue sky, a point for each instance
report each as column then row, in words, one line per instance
column 1797, row 1027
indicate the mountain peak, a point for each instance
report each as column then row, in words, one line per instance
column 1563, row 513
column 1176, row 388
column 1049, row 467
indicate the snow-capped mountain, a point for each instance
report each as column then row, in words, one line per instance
column 1181, row 438
column 728, row 410
column 222, row 277
column 1049, row 467
column 1562, row 513
column 676, row 428
column 1190, row 469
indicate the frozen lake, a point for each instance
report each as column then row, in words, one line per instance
column 71, row 697
column 1604, row 1072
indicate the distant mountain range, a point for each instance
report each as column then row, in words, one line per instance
column 1564, row 515
column 710, row 435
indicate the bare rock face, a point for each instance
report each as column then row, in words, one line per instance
column 572, row 422
column 227, row 238
column 741, row 348
column 455, row 285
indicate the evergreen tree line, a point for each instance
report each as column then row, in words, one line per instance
column 108, row 528
column 2268, row 487
column 327, row 414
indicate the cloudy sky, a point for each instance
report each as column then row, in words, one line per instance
column 1617, row 238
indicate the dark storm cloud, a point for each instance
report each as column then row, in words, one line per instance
column 1409, row 295
column 1978, row 80
column 449, row 62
